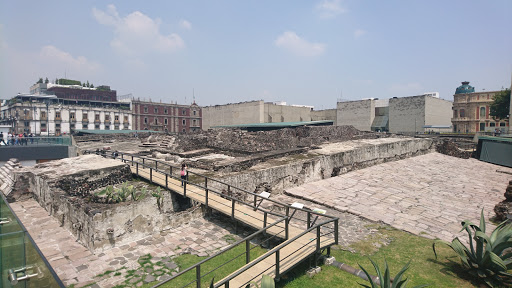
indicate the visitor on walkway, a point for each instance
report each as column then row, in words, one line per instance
column 2, row 138
column 16, row 139
column 183, row 173
column 9, row 139
column 25, row 139
column 31, row 136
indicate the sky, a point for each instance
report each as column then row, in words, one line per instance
column 217, row 52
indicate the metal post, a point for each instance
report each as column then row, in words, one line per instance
column 170, row 170
column 198, row 276
column 336, row 231
column 255, row 200
column 226, row 285
column 232, row 209
column 143, row 161
column 317, row 244
column 309, row 220
column 206, row 200
column 286, row 229
column 137, row 168
column 122, row 157
column 156, row 165
column 150, row 175
column 132, row 160
column 277, row 264
column 166, row 181
column 247, row 251
column 329, row 251
column 264, row 219
column 184, row 188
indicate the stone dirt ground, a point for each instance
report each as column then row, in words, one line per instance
column 426, row 195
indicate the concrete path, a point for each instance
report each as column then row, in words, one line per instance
column 424, row 195
column 74, row 264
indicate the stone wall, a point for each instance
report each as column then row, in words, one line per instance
column 359, row 114
column 327, row 114
column 231, row 114
column 284, row 113
column 328, row 161
column 97, row 226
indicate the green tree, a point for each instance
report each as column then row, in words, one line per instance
column 40, row 80
column 88, row 85
column 499, row 108
column 92, row 85
column 56, row 80
column 46, row 80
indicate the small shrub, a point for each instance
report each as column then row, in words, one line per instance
column 385, row 282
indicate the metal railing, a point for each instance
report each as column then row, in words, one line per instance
column 22, row 264
column 34, row 141
column 304, row 218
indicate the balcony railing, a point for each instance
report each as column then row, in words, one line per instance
column 58, row 119
column 72, row 120
column 462, row 119
column 22, row 262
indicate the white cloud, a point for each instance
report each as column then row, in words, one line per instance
column 137, row 33
column 359, row 32
column 58, row 57
column 292, row 42
column 330, row 8
column 407, row 89
column 185, row 24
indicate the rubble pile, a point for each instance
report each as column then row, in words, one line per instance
column 240, row 141
column 450, row 148
column 504, row 208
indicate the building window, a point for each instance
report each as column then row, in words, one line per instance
column 125, row 119
column 492, row 124
column 72, row 126
column 482, row 112
column 194, row 112
column 107, row 117
column 454, row 113
column 84, row 117
column 57, row 114
column 462, row 114
column 194, row 122
column 502, row 124
column 107, row 127
column 116, row 118
column 145, row 120
column 145, row 109
column 156, row 110
column 184, row 130
column 43, row 114
column 184, row 122
column 184, row 112
column 43, row 127
column 116, row 127
column 165, row 111
column 27, row 123
column 57, row 126
column 85, row 127
column 482, row 126
column 156, row 121
column 165, row 121
column 97, row 117
column 72, row 115
column 97, row 127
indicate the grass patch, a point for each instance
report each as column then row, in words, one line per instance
column 446, row 271
column 186, row 260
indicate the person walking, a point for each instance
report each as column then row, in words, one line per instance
column 16, row 139
column 9, row 139
column 2, row 138
column 183, row 173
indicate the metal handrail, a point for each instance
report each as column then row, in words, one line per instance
column 250, row 237
column 38, row 251
column 279, row 247
column 211, row 179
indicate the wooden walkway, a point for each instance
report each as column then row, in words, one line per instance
column 290, row 255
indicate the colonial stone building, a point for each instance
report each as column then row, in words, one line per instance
column 166, row 117
column 49, row 115
column 471, row 111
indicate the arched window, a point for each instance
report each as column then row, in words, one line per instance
column 482, row 112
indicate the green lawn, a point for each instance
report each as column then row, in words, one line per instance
column 424, row 269
column 446, row 271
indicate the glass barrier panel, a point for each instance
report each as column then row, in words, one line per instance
column 38, row 268
column 8, row 222
column 12, row 257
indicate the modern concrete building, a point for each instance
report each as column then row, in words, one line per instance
column 77, row 92
column 168, row 117
column 410, row 114
column 471, row 111
column 49, row 115
column 261, row 112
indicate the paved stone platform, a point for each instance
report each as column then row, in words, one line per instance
column 75, row 265
column 426, row 195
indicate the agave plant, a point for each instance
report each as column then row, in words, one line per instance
column 491, row 259
column 386, row 282
column 266, row 282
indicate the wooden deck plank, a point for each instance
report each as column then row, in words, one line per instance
column 292, row 253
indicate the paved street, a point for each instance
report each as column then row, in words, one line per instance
column 425, row 195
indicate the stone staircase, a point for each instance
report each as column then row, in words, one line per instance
column 6, row 176
column 168, row 140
